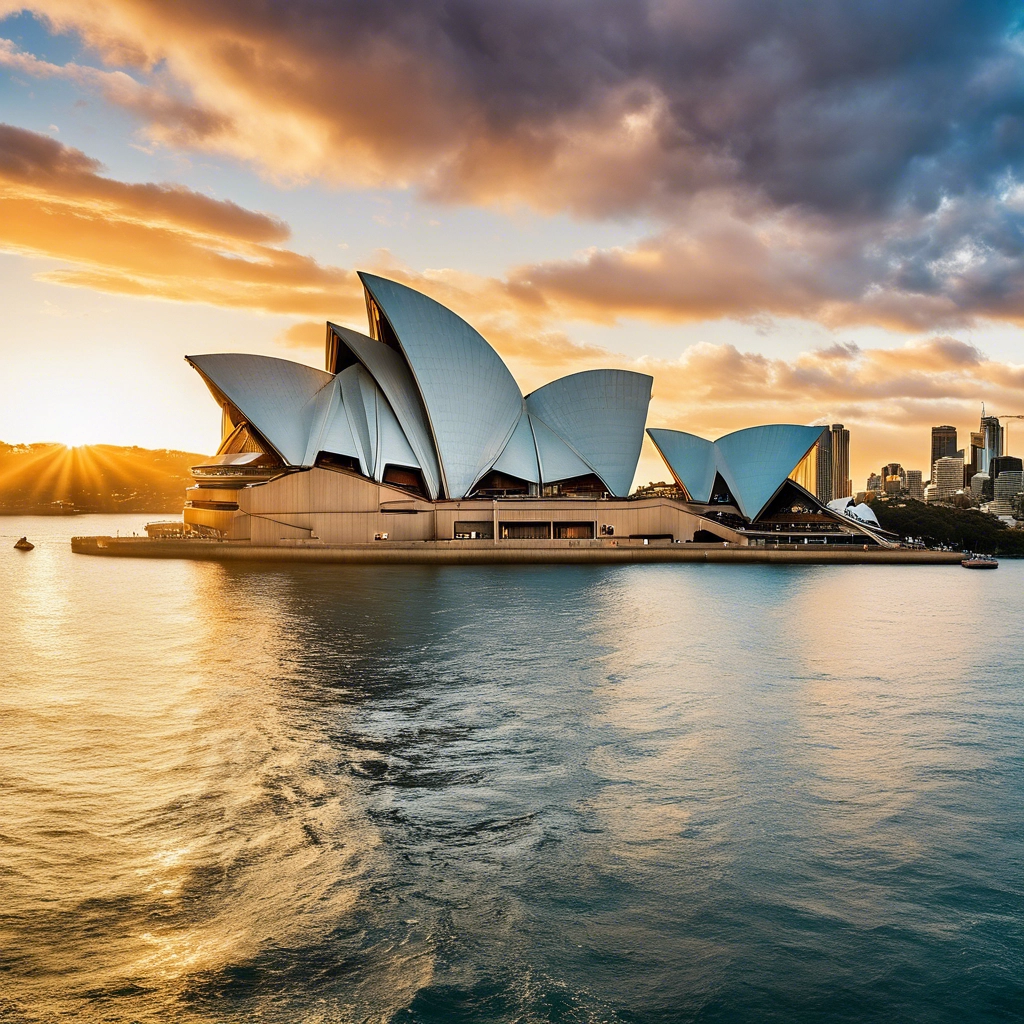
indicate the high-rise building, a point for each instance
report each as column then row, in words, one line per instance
column 993, row 434
column 943, row 444
column 823, row 492
column 1001, row 464
column 1008, row 485
column 874, row 483
column 842, row 485
column 947, row 478
column 915, row 485
column 977, row 450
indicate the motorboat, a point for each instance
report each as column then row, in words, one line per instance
column 980, row 562
column 24, row 544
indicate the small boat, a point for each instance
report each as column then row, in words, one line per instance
column 979, row 562
column 24, row 544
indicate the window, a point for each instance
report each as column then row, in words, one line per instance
column 406, row 478
column 495, row 483
column 513, row 530
column 329, row 460
column 242, row 439
column 574, row 531
column 475, row 530
column 588, row 486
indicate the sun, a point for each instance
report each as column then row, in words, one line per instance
column 75, row 439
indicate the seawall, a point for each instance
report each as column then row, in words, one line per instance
column 505, row 552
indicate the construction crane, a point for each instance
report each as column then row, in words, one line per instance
column 1008, row 416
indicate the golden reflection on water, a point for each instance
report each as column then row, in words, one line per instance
column 162, row 817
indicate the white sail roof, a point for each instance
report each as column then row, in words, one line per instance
column 557, row 460
column 760, row 459
column 272, row 394
column 472, row 401
column 691, row 458
column 600, row 414
column 519, row 457
column 754, row 462
column 395, row 379
column 428, row 393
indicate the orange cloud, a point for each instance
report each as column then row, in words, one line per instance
column 172, row 243
column 157, row 240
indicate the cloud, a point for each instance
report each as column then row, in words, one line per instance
column 172, row 243
column 163, row 241
column 945, row 269
column 845, row 162
column 598, row 106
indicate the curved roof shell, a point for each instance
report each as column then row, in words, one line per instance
column 760, row 459
column 274, row 395
column 557, row 460
column 600, row 414
column 395, row 379
column 519, row 457
column 692, row 460
column 472, row 401
column 754, row 462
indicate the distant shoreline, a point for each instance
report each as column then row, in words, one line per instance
column 50, row 513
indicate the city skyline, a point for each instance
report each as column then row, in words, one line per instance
column 155, row 195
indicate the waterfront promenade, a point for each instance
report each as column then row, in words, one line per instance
column 476, row 552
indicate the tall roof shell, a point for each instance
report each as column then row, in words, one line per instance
column 691, row 459
column 360, row 400
column 754, row 462
column 272, row 394
column 393, row 376
column 519, row 456
column 759, row 459
column 393, row 448
column 601, row 416
column 327, row 404
column 337, row 436
column 472, row 400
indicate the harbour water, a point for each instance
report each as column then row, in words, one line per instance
column 309, row 793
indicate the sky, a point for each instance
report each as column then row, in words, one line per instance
column 785, row 211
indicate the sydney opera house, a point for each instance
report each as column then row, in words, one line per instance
column 418, row 432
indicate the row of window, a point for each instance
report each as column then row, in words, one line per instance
column 519, row 530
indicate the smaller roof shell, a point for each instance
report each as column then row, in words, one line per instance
column 600, row 414
column 519, row 457
column 395, row 379
column 754, row 462
column 274, row 395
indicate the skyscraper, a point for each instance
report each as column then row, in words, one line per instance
column 842, row 485
column 993, row 434
column 1000, row 464
column 943, row 445
column 824, row 450
column 977, row 456
column 915, row 486
column 894, row 478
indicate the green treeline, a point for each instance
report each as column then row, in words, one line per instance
column 963, row 528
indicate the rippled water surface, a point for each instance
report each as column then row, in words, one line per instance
column 643, row 793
